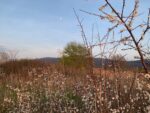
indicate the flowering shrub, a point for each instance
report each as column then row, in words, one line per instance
column 53, row 92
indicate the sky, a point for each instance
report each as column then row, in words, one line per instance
column 42, row 28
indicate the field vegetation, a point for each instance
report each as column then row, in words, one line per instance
column 33, row 86
column 75, row 84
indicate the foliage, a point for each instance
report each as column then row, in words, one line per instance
column 75, row 56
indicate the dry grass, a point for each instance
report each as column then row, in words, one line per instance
column 46, row 89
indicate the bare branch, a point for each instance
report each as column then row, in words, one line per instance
column 134, row 14
column 123, row 6
column 119, row 19
column 146, row 29
column 127, row 49
column 82, row 30
column 128, row 27
column 94, row 14
column 141, row 25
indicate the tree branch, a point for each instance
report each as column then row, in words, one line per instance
column 130, row 32
column 123, row 6
column 147, row 28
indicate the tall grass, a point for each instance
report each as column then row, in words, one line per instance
column 51, row 91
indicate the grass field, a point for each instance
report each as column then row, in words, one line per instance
column 43, row 88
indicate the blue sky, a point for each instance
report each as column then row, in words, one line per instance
column 41, row 28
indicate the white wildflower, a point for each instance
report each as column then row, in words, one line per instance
column 147, row 76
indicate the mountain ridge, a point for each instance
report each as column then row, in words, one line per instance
column 97, row 61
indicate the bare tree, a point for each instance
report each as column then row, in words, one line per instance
column 4, row 57
column 13, row 54
column 125, row 23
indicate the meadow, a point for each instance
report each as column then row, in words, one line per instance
column 31, row 86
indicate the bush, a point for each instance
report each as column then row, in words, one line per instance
column 75, row 58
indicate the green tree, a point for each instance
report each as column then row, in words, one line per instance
column 74, row 57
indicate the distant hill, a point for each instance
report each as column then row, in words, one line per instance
column 97, row 61
column 50, row 59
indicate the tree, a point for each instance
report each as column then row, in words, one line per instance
column 75, row 57
column 4, row 57
column 118, row 61
column 7, row 55
column 126, row 23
